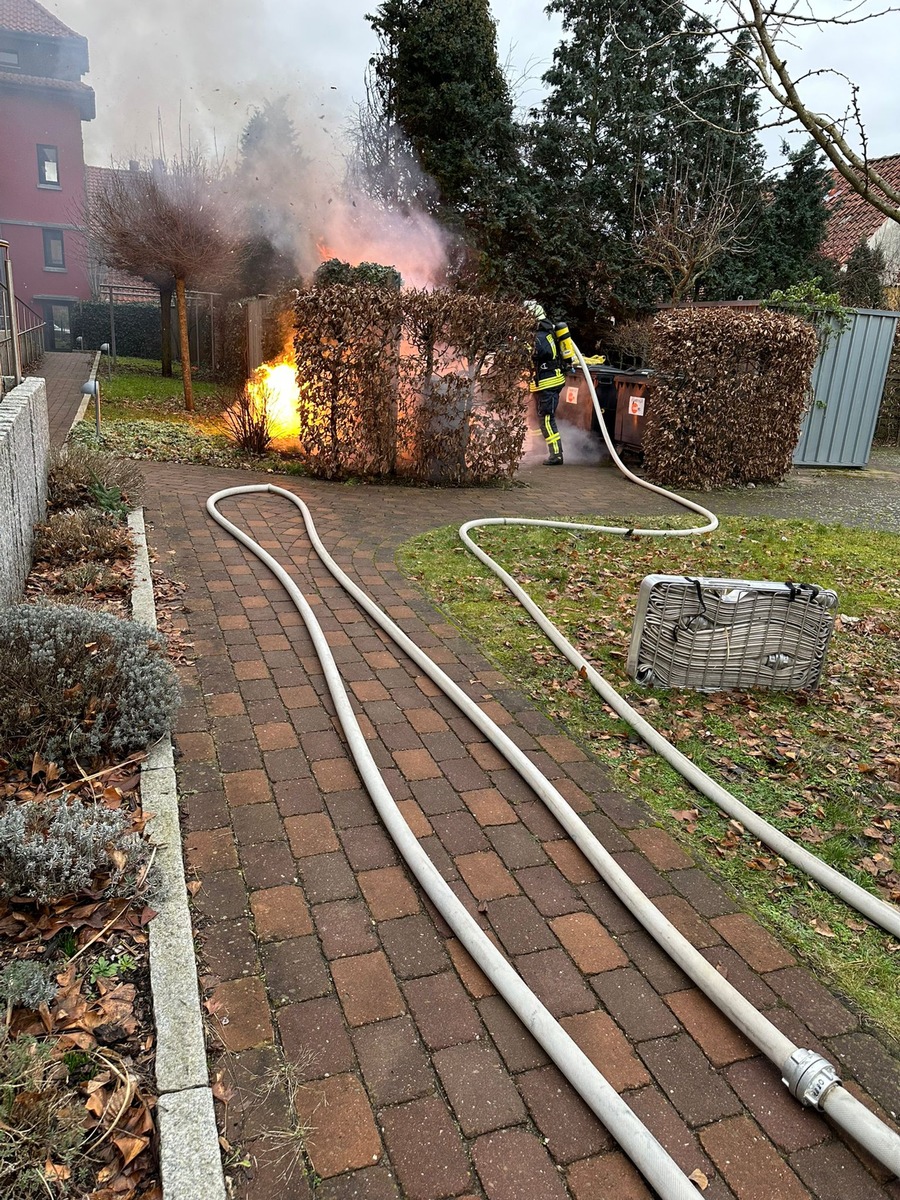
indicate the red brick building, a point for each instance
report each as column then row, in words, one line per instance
column 43, row 102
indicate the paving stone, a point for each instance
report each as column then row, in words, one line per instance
column 436, row 796
column 873, row 1066
column 374, row 1183
column 367, row 988
column 257, row 823
column 611, row 838
column 368, row 849
column 442, row 1011
column 591, row 947
column 474, row 979
column 686, row 921
column 749, row 1162
column 670, row 1130
column 222, row 896
column 556, row 982
column 268, row 865
column 658, row 969
column 485, row 875
column 661, row 849
column 459, row 832
column 488, row 807
column 229, row 949
column 831, row 1172
column 825, row 1015
column 752, row 942
column 571, row 862
column 393, row 1061
column 210, row 850
column 349, row 810
column 607, row 1177
column 478, row 1087
column 246, row 787
column 519, row 926
column 613, row 914
column 634, row 1004
column 314, row 1038
column 706, row 896
column 388, row 893
column 686, row 1077
column 311, row 834
column 610, row 1052
column 280, row 913
column 425, row 1150
column 345, row 928
column 566, row 1123
column 717, row 1037
column 343, row 1135
column 240, row 1014
column 551, row 893
column 730, row 964
column 417, row 764
column 335, row 774
column 517, row 846
column 413, row 947
column 789, row 1125
column 414, row 817
column 513, row 1164
column 295, row 970
column 327, row 877
column 639, row 871
column 535, row 815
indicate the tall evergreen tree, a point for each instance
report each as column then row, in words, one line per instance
column 437, row 78
column 861, row 284
column 634, row 104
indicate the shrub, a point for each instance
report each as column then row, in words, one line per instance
column 61, row 846
column 91, row 577
column 247, row 421
column 728, row 395
column 80, row 475
column 80, row 684
column 424, row 384
column 81, row 534
column 26, row 983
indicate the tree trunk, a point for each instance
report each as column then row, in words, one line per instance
column 165, row 329
column 184, row 344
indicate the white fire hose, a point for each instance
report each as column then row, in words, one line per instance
column 809, row 1077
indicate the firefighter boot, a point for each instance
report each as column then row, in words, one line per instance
column 555, row 459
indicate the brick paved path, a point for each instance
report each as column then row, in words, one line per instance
column 64, row 373
column 417, row 1081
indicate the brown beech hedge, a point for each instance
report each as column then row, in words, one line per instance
column 729, row 391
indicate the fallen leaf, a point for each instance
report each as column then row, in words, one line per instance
column 699, row 1179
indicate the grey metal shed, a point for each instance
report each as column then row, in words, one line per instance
column 848, row 380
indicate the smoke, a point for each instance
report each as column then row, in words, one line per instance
column 580, row 447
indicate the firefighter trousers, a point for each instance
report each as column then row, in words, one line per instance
column 547, row 404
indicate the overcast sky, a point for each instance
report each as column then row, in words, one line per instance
column 218, row 61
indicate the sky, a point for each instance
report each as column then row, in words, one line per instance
column 216, row 62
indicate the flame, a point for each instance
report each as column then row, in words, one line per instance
column 274, row 386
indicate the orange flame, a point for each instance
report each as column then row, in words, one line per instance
column 274, row 387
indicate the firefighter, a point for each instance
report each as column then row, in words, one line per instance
column 553, row 355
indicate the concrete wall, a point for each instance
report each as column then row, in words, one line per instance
column 24, row 452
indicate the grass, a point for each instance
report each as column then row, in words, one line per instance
column 137, row 391
column 823, row 767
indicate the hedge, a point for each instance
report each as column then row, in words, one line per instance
column 425, row 385
column 137, row 328
column 729, row 392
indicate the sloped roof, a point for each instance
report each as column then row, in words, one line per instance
column 27, row 16
column 853, row 218
column 81, row 93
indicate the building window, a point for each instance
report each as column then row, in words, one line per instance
column 54, row 252
column 9, row 60
column 48, row 166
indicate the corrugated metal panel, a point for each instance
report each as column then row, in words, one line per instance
column 848, row 380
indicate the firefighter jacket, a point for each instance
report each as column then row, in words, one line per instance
column 552, row 355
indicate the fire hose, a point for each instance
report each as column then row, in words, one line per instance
column 808, row 1075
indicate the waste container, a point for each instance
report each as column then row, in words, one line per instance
column 575, row 404
column 631, row 409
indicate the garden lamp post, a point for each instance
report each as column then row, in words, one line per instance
column 92, row 388
column 104, row 349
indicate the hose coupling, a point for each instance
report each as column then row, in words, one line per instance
column 809, row 1077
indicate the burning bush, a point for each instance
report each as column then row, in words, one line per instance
column 424, row 384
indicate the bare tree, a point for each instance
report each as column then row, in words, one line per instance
column 168, row 224
column 681, row 230
column 763, row 33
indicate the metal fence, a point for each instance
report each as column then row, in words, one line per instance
column 848, row 381
column 28, row 326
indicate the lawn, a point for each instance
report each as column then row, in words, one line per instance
column 137, row 391
column 824, row 767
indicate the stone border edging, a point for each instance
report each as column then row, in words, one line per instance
column 190, row 1160
column 85, row 400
